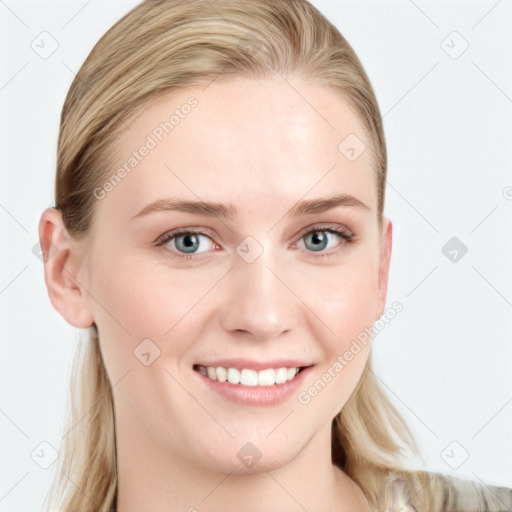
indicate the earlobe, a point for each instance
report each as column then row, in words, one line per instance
column 61, row 265
column 384, row 262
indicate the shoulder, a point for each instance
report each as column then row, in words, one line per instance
column 504, row 495
column 461, row 495
column 480, row 496
column 446, row 493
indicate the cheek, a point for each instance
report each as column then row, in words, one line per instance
column 351, row 307
column 347, row 308
column 346, row 304
column 344, row 298
column 135, row 301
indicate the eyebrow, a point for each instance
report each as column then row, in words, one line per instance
column 229, row 211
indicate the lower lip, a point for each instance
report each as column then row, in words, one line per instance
column 256, row 395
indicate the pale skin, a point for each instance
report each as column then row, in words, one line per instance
column 261, row 147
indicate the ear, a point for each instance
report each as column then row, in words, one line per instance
column 61, row 266
column 384, row 261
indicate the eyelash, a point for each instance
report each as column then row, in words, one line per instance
column 345, row 236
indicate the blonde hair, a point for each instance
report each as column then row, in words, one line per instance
column 158, row 47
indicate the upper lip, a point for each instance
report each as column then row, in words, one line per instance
column 255, row 365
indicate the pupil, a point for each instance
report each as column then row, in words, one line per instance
column 189, row 242
column 318, row 238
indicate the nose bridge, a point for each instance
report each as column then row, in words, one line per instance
column 259, row 303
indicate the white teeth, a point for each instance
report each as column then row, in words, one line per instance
column 233, row 376
column 247, row 377
column 290, row 373
column 266, row 377
column 222, row 374
column 281, row 375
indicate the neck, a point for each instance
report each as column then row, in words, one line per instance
column 156, row 479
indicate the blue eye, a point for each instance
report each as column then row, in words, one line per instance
column 186, row 241
column 319, row 238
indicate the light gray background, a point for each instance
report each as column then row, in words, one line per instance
column 445, row 359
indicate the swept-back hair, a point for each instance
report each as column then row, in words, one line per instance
column 158, row 47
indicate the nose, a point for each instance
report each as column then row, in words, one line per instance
column 260, row 305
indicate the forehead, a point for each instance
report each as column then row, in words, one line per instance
column 240, row 140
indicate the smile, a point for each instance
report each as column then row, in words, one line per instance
column 251, row 382
column 249, row 377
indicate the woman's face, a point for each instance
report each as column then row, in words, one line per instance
column 256, row 291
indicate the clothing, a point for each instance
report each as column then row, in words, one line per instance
column 454, row 497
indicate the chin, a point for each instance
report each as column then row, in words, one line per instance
column 250, row 456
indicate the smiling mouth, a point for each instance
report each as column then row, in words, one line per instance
column 248, row 377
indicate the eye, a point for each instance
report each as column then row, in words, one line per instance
column 317, row 238
column 185, row 242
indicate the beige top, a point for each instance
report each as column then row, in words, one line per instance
column 399, row 500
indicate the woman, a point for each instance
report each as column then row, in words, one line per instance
column 205, row 149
